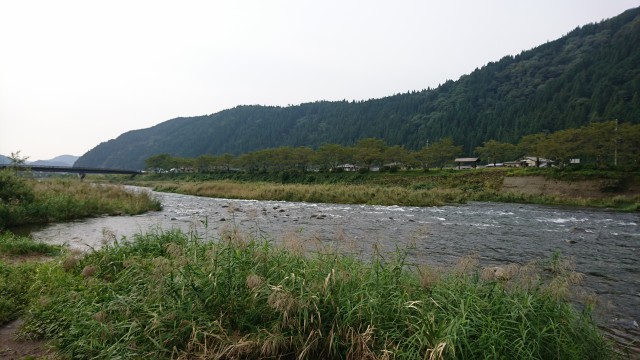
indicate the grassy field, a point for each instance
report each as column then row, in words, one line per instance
column 173, row 295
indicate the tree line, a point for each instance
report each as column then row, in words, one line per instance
column 603, row 144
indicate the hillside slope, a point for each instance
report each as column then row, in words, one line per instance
column 590, row 74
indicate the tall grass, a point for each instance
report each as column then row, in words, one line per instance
column 15, row 280
column 325, row 193
column 174, row 295
column 64, row 199
column 622, row 203
column 446, row 191
column 17, row 275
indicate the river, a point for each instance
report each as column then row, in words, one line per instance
column 605, row 245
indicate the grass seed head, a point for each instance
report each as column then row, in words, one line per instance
column 254, row 282
column 429, row 275
column 100, row 316
column 70, row 262
column 466, row 264
column 88, row 271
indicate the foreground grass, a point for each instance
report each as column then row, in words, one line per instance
column 64, row 199
column 17, row 274
column 173, row 295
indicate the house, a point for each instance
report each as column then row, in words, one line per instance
column 517, row 163
column 531, row 161
column 468, row 162
column 347, row 167
column 528, row 161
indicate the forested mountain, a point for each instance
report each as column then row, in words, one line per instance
column 590, row 74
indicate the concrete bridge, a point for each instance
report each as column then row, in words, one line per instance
column 81, row 171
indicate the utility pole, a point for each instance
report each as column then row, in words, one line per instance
column 615, row 148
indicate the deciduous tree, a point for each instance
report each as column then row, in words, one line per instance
column 495, row 151
column 369, row 151
column 439, row 153
column 329, row 156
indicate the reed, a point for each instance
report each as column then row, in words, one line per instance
column 168, row 294
column 325, row 193
column 63, row 199
column 408, row 191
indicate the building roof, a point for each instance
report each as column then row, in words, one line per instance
column 467, row 159
column 533, row 158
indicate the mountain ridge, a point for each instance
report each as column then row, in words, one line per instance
column 590, row 74
column 60, row 160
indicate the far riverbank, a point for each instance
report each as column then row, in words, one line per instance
column 597, row 189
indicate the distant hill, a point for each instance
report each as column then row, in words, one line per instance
column 590, row 74
column 62, row 160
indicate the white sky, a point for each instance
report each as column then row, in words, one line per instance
column 77, row 73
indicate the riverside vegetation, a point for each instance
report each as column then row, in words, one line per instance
column 405, row 188
column 27, row 201
column 169, row 294
column 175, row 295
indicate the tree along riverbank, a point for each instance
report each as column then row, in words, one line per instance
column 589, row 188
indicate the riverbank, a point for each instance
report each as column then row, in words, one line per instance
column 168, row 294
column 610, row 190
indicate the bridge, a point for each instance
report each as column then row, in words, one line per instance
column 81, row 171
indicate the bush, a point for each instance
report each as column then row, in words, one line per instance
column 14, row 190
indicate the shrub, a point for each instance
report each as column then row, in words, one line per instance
column 14, row 190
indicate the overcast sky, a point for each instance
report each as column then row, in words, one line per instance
column 77, row 73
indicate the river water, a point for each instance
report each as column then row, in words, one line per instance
column 605, row 245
